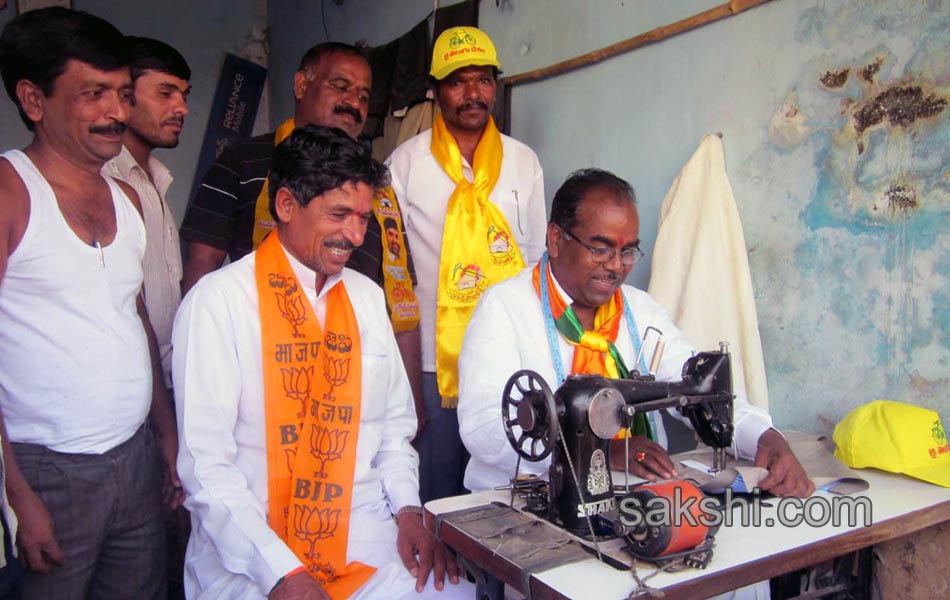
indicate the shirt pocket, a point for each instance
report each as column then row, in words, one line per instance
column 375, row 369
column 513, row 203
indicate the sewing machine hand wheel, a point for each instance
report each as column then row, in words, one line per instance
column 535, row 413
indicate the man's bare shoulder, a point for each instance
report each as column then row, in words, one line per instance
column 10, row 183
column 14, row 206
column 130, row 193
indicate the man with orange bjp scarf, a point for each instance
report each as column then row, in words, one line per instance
column 473, row 201
column 296, row 415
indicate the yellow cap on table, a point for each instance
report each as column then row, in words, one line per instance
column 896, row 437
column 459, row 47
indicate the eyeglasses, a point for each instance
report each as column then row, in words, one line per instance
column 605, row 254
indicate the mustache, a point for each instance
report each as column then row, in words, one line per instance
column 342, row 244
column 470, row 105
column 349, row 110
column 117, row 128
column 180, row 121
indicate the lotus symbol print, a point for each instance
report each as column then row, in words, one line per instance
column 291, row 455
column 292, row 305
column 312, row 524
column 297, row 382
column 326, row 445
column 335, row 371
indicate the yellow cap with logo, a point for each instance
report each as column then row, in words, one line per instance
column 897, row 437
column 459, row 47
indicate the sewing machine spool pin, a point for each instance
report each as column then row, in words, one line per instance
column 657, row 350
column 719, row 453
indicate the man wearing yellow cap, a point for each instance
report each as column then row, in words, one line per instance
column 475, row 215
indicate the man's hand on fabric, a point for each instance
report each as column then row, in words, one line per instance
column 35, row 532
column 420, row 424
column 299, row 586
column 172, row 493
column 648, row 459
column 786, row 475
column 421, row 553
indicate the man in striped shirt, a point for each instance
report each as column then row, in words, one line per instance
column 331, row 88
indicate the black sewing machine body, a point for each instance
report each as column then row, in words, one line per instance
column 587, row 411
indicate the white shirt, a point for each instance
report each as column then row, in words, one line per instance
column 222, row 460
column 507, row 334
column 162, row 263
column 424, row 190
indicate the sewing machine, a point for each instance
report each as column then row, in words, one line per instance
column 575, row 424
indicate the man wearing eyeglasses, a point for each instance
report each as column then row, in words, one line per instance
column 571, row 314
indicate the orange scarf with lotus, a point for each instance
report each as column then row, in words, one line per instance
column 312, row 387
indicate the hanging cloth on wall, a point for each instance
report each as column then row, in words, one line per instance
column 700, row 269
column 401, row 104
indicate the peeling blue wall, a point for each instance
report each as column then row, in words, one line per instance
column 848, row 247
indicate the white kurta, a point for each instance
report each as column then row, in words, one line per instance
column 162, row 262
column 507, row 334
column 232, row 552
column 700, row 271
column 424, row 189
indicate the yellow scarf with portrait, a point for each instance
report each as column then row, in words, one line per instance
column 478, row 249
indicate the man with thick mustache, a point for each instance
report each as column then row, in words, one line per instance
column 474, row 205
column 295, row 413
column 79, row 369
column 556, row 318
column 228, row 217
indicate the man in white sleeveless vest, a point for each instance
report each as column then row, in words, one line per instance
column 79, row 371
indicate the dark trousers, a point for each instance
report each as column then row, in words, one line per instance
column 11, row 575
column 107, row 518
column 442, row 457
